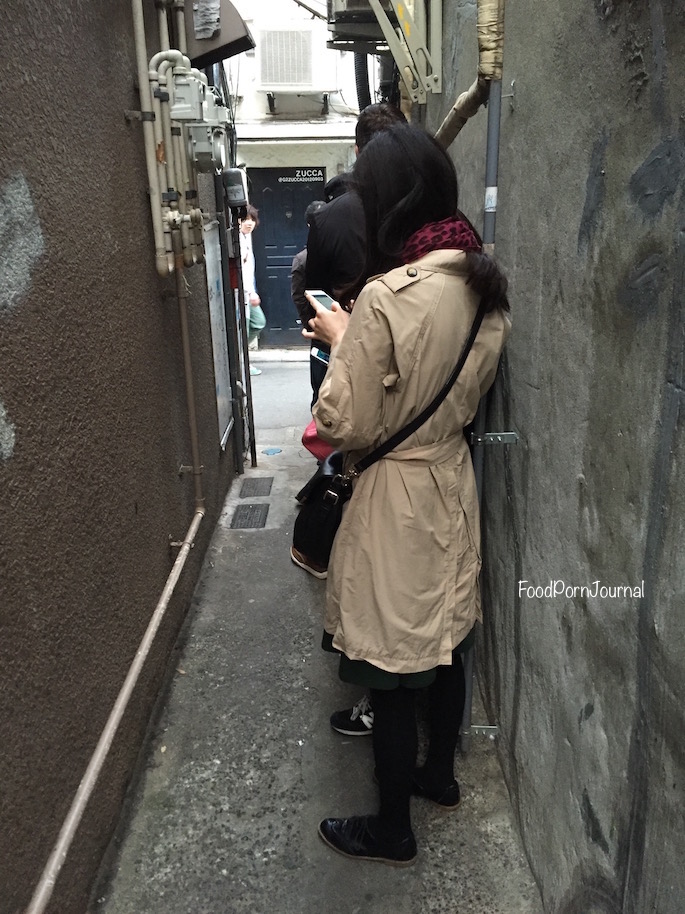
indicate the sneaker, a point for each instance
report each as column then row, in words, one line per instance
column 254, row 371
column 445, row 797
column 356, row 721
column 360, row 837
column 317, row 570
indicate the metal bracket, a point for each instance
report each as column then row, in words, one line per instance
column 495, row 438
column 176, row 544
column 512, row 96
column 481, row 730
column 421, row 72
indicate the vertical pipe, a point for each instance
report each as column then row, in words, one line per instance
column 181, row 26
column 489, row 222
column 164, row 263
column 492, row 165
column 163, row 20
column 182, row 295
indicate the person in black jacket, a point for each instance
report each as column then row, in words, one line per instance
column 336, row 254
column 298, row 286
column 336, row 244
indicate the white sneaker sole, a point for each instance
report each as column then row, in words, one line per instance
column 321, row 575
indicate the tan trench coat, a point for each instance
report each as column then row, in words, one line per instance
column 402, row 587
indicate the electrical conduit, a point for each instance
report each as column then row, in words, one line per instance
column 490, row 55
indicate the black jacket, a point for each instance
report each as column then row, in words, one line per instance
column 336, row 245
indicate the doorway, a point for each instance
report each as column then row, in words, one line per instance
column 281, row 195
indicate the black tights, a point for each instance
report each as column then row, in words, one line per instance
column 395, row 740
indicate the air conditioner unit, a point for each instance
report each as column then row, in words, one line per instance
column 354, row 21
column 294, row 60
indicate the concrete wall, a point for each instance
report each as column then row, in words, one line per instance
column 93, row 429
column 588, row 690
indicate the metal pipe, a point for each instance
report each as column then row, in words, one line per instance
column 163, row 21
column 179, row 7
column 46, row 884
column 489, row 224
column 490, row 57
column 182, row 295
column 177, row 58
column 163, row 262
column 492, row 166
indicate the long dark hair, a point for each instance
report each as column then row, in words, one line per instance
column 406, row 180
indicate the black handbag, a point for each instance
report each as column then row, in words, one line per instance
column 322, row 499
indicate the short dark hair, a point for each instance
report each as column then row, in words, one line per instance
column 374, row 118
column 313, row 207
column 253, row 213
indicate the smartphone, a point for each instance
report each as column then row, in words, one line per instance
column 320, row 355
column 322, row 297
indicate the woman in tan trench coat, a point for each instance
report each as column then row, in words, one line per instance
column 402, row 593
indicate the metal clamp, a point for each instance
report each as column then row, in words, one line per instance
column 512, row 96
column 481, row 730
column 495, row 438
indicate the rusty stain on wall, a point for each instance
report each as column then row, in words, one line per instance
column 21, row 241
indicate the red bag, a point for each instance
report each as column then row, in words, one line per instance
column 320, row 449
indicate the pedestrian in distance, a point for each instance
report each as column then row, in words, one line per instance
column 256, row 321
column 402, row 596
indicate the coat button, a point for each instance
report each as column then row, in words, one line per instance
column 412, row 271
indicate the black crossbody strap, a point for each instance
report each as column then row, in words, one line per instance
column 418, row 421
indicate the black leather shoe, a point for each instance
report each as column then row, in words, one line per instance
column 445, row 797
column 359, row 837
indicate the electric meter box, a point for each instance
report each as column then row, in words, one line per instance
column 188, row 97
column 235, row 184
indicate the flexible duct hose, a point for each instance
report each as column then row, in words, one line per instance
column 361, row 75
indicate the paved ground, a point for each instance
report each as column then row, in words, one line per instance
column 243, row 764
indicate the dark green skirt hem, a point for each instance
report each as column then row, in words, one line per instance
column 363, row 673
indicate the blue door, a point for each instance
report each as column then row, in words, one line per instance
column 281, row 195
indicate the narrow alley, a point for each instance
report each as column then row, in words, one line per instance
column 242, row 764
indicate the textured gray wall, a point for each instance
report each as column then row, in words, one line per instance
column 588, row 691
column 93, row 429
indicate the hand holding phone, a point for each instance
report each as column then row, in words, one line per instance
column 328, row 324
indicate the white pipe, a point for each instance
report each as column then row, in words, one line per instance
column 189, row 255
column 165, row 179
column 173, row 56
column 164, row 263
column 164, row 40
column 198, row 74
column 181, row 25
column 176, row 156
column 45, row 887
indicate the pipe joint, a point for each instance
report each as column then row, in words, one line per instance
column 175, row 57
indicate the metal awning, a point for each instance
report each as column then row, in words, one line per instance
column 215, row 30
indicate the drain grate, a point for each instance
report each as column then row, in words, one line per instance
column 257, row 486
column 249, row 516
